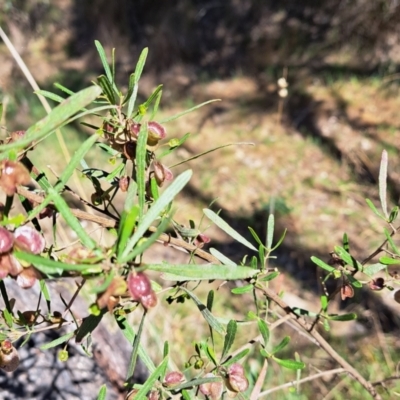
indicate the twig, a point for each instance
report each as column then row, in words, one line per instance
column 112, row 223
column 255, row 394
column 304, row 380
column 322, row 342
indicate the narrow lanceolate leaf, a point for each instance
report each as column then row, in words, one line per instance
column 159, row 205
column 211, row 320
column 372, row 269
column 130, row 335
column 264, row 330
column 383, row 182
column 322, row 264
column 221, row 257
column 343, row 317
column 137, row 75
column 290, row 364
column 389, row 261
column 243, row 289
column 102, row 393
column 347, row 258
column 211, row 215
column 270, row 231
column 151, row 380
column 52, row 267
column 103, row 59
column 284, row 342
column 196, row 383
column 88, row 325
column 187, row 272
column 70, row 219
column 373, row 208
column 127, row 224
column 56, row 118
column 231, row 330
column 236, row 358
column 62, row 339
column 135, row 350
column 390, row 241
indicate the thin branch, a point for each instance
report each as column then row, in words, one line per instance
column 322, row 343
column 112, row 223
column 301, row 381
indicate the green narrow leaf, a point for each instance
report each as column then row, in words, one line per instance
column 138, row 73
column 8, row 318
column 372, row 269
column 175, row 146
column 44, row 290
column 373, row 208
column 393, row 214
column 88, row 325
column 210, row 300
column 264, row 330
column 348, row 258
column 272, row 275
column 255, row 236
column 50, row 95
column 102, row 393
column 176, row 116
column 127, row 224
column 131, row 85
column 135, row 350
column 324, row 302
column 322, row 264
column 280, row 240
column 243, row 289
column 198, row 155
column 196, row 383
column 389, row 261
column 151, row 380
column 141, row 169
column 145, row 243
column 231, row 330
column 58, row 341
column 166, row 197
column 70, row 219
column 212, row 216
column 51, row 267
column 209, row 352
column 284, row 342
column 211, row 320
column 224, row 260
column 130, row 335
column 188, row 272
column 57, row 117
column 155, row 93
column 108, row 91
column 346, row 243
column 64, row 89
column 383, row 182
column 166, row 349
column 390, row 241
column 156, row 105
column 270, row 230
column 343, row 317
column 290, row 364
column 356, row 283
column 104, row 61
column 236, row 358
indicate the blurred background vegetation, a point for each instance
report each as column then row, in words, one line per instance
column 316, row 152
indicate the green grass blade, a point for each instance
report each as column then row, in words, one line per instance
column 212, row 216
column 176, row 116
column 210, row 151
column 159, row 205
